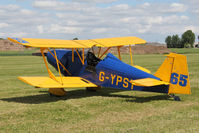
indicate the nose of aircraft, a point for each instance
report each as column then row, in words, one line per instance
column 65, row 57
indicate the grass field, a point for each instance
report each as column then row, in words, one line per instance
column 185, row 50
column 18, row 53
column 27, row 109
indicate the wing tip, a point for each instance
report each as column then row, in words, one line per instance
column 18, row 40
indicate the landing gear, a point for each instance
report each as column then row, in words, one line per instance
column 57, row 92
column 176, row 98
column 93, row 89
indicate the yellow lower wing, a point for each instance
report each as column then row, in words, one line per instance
column 67, row 82
column 147, row 82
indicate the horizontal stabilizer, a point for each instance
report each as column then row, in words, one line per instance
column 148, row 82
column 142, row 68
column 66, row 82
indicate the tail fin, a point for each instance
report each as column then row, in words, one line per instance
column 174, row 70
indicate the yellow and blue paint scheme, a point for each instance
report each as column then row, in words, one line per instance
column 113, row 73
column 172, row 76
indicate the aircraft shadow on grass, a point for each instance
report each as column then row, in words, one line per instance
column 75, row 94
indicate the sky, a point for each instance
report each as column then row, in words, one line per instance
column 152, row 20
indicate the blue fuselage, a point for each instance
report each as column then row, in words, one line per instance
column 109, row 72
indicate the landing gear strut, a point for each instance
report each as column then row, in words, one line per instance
column 176, row 98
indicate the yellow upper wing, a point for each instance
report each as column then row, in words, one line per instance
column 54, row 43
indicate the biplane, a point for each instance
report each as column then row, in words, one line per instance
column 79, row 65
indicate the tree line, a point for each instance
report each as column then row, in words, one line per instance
column 186, row 41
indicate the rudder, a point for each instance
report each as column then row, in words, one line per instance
column 175, row 71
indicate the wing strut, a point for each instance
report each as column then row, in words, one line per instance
column 83, row 55
column 81, row 59
column 93, row 50
column 72, row 54
column 51, row 75
column 131, row 55
column 105, row 52
column 99, row 51
column 118, row 49
column 58, row 66
column 59, row 62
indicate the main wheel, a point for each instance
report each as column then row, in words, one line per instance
column 57, row 92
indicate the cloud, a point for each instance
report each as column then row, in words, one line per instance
column 193, row 28
column 121, row 7
column 177, row 7
column 193, row 5
column 146, row 4
column 26, row 12
column 40, row 29
column 190, row 1
column 17, row 21
column 86, row 19
column 55, row 28
column 62, row 6
column 3, row 25
column 10, row 7
column 48, row 4
column 99, row 30
column 19, row 34
column 164, row 8
column 96, row 1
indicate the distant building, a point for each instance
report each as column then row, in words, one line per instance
column 196, row 45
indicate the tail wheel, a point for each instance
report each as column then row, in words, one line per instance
column 57, row 91
column 176, row 98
